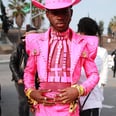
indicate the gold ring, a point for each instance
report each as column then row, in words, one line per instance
column 60, row 95
column 45, row 98
column 64, row 101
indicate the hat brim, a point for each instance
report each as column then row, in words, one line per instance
column 54, row 6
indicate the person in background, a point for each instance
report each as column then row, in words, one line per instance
column 93, row 104
column 17, row 64
column 58, row 55
column 114, row 58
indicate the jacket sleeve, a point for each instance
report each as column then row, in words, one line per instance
column 31, row 66
column 89, row 65
column 14, row 64
column 104, row 68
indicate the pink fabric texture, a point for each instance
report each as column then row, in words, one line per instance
column 57, row 110
column 83, row 52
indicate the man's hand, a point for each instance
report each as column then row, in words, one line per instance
column 67, row 95
column 39, row 96
column 20, row 81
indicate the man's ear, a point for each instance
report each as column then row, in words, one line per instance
column 47, row 13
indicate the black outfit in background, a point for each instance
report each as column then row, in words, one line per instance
column 17, row 64
column 90, row 112
column 114, row 69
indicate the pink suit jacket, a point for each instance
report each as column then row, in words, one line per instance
column 83, row 52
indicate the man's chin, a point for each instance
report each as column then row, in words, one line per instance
column 61, row 29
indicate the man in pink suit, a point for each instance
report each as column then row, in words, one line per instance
column 58, row 56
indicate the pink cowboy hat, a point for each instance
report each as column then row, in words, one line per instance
column 55, row 4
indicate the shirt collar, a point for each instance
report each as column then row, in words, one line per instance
column 59, row 35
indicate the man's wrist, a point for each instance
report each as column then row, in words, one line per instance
column 79, row 88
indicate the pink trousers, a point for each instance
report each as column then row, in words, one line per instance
column 56, row 110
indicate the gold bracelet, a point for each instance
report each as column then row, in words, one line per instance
column 82, row 91
column 31, row 100
column 28, row 92
column 79, row 88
